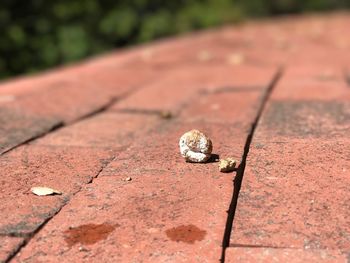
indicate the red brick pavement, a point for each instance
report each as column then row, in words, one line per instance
column 97, row 132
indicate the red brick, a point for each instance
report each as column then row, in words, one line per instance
column 315, row 90
column 67, row 101
column 25, row 85
column 297, row 41
column 268, row 255
column 294, row 195
column 326, row 84
column 108, row 130
column 228, row 106
column 294, row 188
column 64, row 169
column 8, row 246
column 33, row 106
column 18, row 127
column 186, row 50
column 116, row 82
column 178, row 87
column 316, row 54
column 306, row 74
column 286, row 120
column 76, row 94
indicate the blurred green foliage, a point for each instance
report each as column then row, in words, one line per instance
column 37, row 34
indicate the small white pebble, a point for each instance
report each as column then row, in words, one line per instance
column 195, row 146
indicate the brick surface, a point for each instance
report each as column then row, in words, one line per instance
column 179, row 87
column 63, row 160
column 157, row 199
column 202, row 48
column 32, row 107
column 18, row 127
column 150, row 214
column 295, row 195
column 147, row 204
column 283, row 255
column 301, row 120
column 106, row 130
column 294, row 192
column 315, row 83
column 54, row 167
column 230, row 106
column 294, row 188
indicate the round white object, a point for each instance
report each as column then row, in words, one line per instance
column 195, row 146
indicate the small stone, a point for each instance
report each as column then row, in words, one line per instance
column 128, row 179
column 227, row 165
column 195, row 146
column 166, row 114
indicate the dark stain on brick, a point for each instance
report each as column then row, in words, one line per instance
column 87, row 234
column 20, row 228
column 186, row 233
column 18, row 127
column 307, row 118
column 30, row 222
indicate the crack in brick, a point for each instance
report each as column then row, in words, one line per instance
column 62, row 124
column 165, row 114
column 237, row 89
column 240, row 171
column 347, row 77
column 53, row 128
column 28, row 236
column 139, row 111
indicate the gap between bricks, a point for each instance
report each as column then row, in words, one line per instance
column 237, row 182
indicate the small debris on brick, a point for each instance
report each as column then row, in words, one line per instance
column 195, row 146
column 83, row 249
column 42, row 191
column 166, row 114
column 204, row 56
column 236, row 59
column 227, row 165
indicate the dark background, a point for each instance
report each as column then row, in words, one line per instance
column 38, row 34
